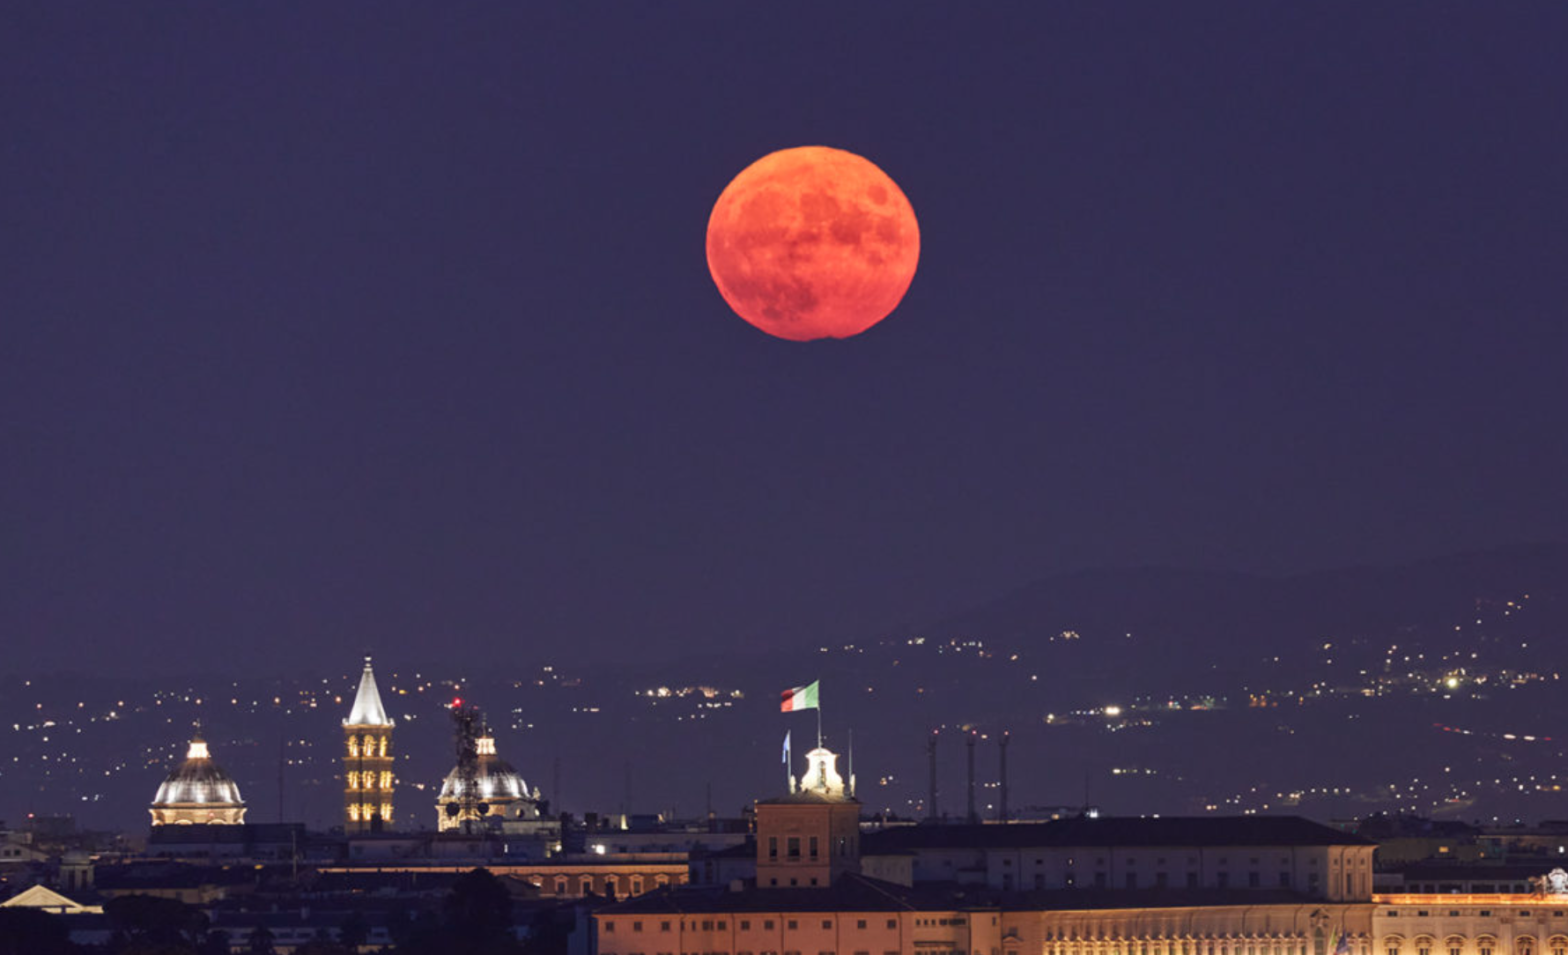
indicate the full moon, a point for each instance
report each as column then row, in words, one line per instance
column 812, row 243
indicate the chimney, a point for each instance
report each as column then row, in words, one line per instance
column 970, row 742
column 931, row 812
column 1001, row 812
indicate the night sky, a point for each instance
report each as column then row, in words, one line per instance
column 326, row 327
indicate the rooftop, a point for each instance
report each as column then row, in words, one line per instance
column 1116, row 832
column 857, row 893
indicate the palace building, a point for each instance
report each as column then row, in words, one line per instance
column 369, row 780
column 198, row 791
column 1108, row 886
column 1475, row 923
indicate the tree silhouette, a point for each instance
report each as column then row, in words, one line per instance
column 30, row 932
column 479, row 914
column 354, row 931
column 217, row 942
column 261, row 939
column 149, row 924
column 476, row 919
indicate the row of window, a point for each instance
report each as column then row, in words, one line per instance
column 367, row 812
column 369, row 746
column 768, row 925
column 790, row 953
column 1189, row 947
column 1162, row 880
column 1455, row 945
column 1312, row 862
column 1483, row 913
column 743, row 952
column 611, row 884
column 1474, row 888
column 368, row 779
column 792, row 847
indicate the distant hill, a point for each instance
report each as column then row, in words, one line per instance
column 1186, row 624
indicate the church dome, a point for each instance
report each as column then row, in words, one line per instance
column 494, row 778
column 494, row 791
column 198, row 791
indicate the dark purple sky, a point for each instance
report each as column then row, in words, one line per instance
column 332, row 326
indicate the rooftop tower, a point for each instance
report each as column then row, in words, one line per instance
column 811, row 836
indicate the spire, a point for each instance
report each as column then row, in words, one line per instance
column 367, row 710
column 198, row 747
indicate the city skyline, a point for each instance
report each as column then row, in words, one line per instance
column 1102, row 710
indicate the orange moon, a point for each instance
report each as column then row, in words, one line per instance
column 813, row 243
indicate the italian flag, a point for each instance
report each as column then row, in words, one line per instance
column 800, row 698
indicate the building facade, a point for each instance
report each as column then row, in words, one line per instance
column 1239, row 886
column 1482, row 923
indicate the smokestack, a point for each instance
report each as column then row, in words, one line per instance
column 931, row 812
column 970, row 741
column 1001, row 812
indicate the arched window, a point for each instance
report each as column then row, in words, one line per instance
column 560, row 885
column 636, row 885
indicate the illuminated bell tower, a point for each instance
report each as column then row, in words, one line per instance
column 367, row 761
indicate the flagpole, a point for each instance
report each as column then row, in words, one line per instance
column 819, row 719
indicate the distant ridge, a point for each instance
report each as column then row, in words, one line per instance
column 1187, row 621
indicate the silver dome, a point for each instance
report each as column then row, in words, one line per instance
column 494, row 778
column 198, row 781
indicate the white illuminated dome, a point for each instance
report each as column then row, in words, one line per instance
column 495, row 793
column 198, row 791
column 494, row 777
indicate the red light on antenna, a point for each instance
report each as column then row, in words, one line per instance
column 457, row 701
